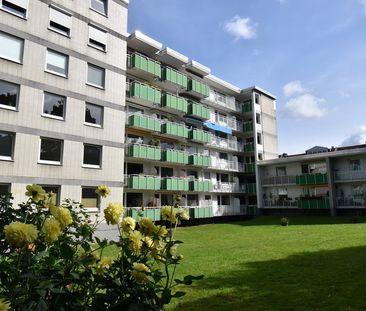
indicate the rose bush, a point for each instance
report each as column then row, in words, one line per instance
column 50, row 258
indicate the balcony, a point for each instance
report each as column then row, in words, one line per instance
column 150, row 212
column 199, row 111
column 143, row 182
column 247, row 107
column 201, row 212
column 280, row 204
column 174, row 156
column 228, row 210
column 144, row 92
column 222, row 143
column 145, row 64
column 249, row 167
column 314, row 203
column 351, row 202
column 200, row 136
column 173, row 76
column 198, row 89
column 200, row 185
column 350, row 176
column 222, row 101
column 174, row 184
column 248, row 127
column 144, row 152
column 225, row 187
column 251, row 188
column 279, row 180
column 174, row 103
column 174, row 129
column 223, row 164
column 312, row 179
column 144, row 122
column 199, row 160
column 248, row 147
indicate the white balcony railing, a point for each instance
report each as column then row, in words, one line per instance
column 351, row 202
column 350, row 175
column 223, row 164
column 222, row 100
column 224, row 143
column 228, row 210
column 225, row 187
column 279, row 204
column 279, row 180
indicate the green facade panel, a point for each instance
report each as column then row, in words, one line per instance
column 198, row 87
column 145, row 92
column 199, row 111
column 312, row 179
column 175, row 156
column 174, row 102
column 152, row 213
column 200, row 136
column 144, row 182
column 199, row 160
column 201, row 212
column 249, row 168
column 174, row 184
column 144, row 122
column 174, row 129
column 248, row 127
column 249, row 147
column 141, row 62
column 251, row 188
column 200, row 185
column 144, row 152
column 247, row 106
column 321, row 203
column 171, row 75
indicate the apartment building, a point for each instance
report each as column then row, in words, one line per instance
column 190, row 133
column 62, row 97
column 329, row 181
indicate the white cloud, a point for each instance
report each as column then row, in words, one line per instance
column 241, row 28
column 363, row 3
column 357, row 138
column 293, row 88
column 305, row 106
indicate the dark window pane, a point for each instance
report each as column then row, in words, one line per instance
column 4, row 188
column 100, row 6
column 96, row 75
column 9, row 94
column 89, row 199
column 6, row 144
column 92, row 155
column 54, row 104
column 93, row 114
column 60, row 28
column 51, row 150
column 8, row 6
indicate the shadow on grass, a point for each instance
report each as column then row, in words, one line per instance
column 324, row 280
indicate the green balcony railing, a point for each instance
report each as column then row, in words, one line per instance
column 247, row 106
column 152, row 213
column 174, row 102
column 175, row 156
column 142, row 182
column 144, row 122
column 199, row 160
column 249, row 167
column 174, row 76
column 174, row 184
column 200, row 136
column 145, row 92
column 251, row 188
column 248, row 127
column 248, row 147
column 312, row 179
column 144, row 152
column 201, row 212
column 199, row 111
column 174, row 129
column 144, row 63
column 198, row 88
column 322, row 203
column 200, row 185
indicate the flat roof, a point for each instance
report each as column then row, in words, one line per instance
column 259, row 89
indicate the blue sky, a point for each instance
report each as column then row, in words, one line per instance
column 310, row 53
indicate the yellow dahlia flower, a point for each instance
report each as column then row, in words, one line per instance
column 103, row 191
column 52, row 230
column 128, row 224
column 168, row 213
column 19, row 234
column 147, row 243
column 135, row 241
column 113, row 213
column 63, row 215
column 140, row 272
column 4, row 306
column 104, row 263
column 182, row 214
column 160, row 231
column 147, row 227
column 36, row 192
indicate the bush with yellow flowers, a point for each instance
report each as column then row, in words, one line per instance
column 50, row 258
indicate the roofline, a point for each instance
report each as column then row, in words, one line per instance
column 259, row 89
column 146, row 39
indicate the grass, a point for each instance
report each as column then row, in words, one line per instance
column 316, row 263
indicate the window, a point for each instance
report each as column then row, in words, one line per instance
column 355, row 165
column 258, row 118
column 16, row 7
column 4, row 189
column 94, row 114
column 260, row 156
column 51, row 151
column 60, row 21
column 9, row 95
column 92, row 156
column 6, row 145
column 55, row 190
column 57, row 63
column 89, row 199
column 259, row 138
column 97, row 38
column 256, row 98
column 99, row 6
column 54, row 105
column 96, row 76
column 281, row 171
column 11, row 48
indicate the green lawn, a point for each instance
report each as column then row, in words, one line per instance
column 317, row 263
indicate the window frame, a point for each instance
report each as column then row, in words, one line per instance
column 99, row 12
column 55, row 72
column 58, row 194
column 91, row 209
column 94, row 124
column 46, row 115
column 11, row 157
column 55, row 29
column 86, row 165
column 13, row 12
column 22, row 49
column 96, row 46
column 17, row 99
column 92, row 84
column 50, row 162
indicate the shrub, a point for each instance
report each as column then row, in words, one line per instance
column 284, row 221
column 50, row 258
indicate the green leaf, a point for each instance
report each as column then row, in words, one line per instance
column 67, row 251
column 179, row 294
